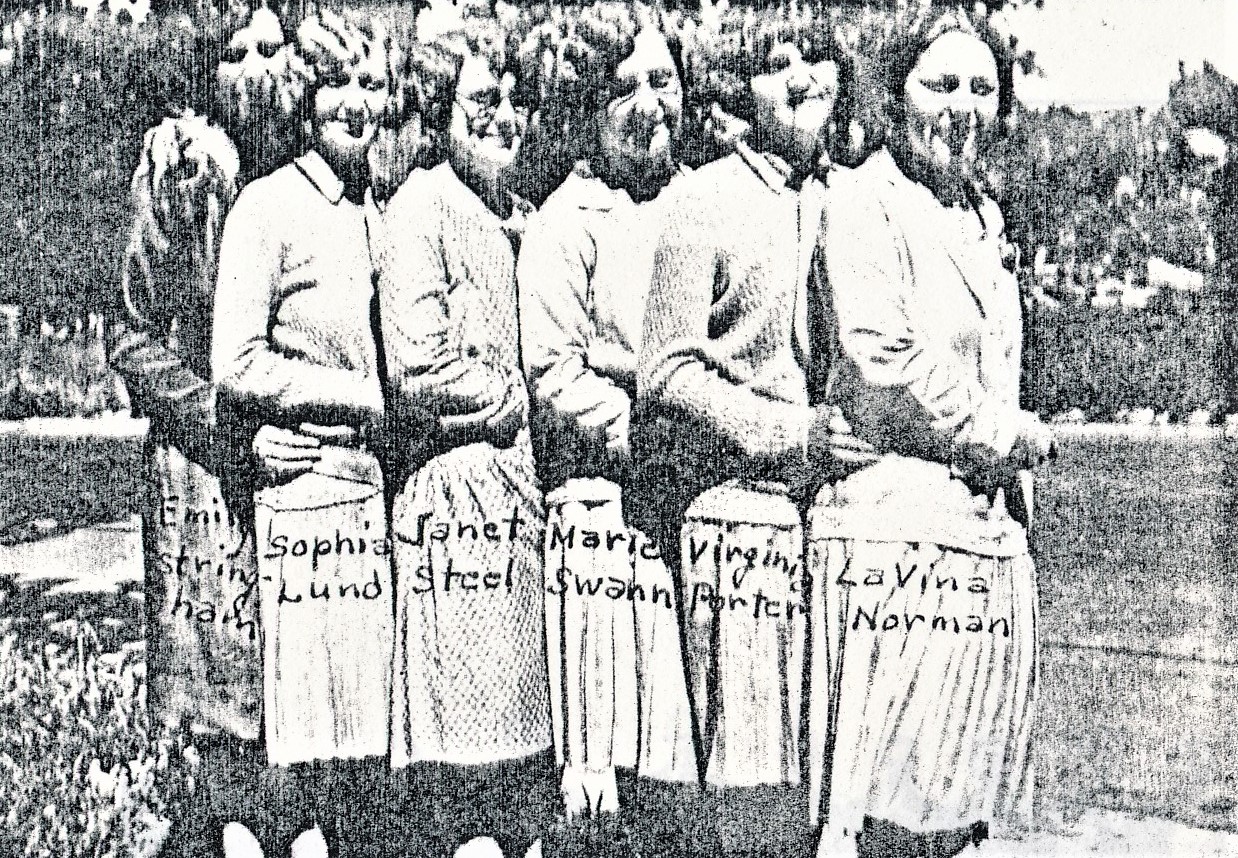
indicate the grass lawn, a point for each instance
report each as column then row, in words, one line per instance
column 1139, row 620
column 82, row 770
column 50, row 485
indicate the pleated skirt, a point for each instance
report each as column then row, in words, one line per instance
column 617, row 671
column 742, row 556
column 746, row 633
column 469, row 671
column 932, row 667
column 326, row 596
column 203, row 658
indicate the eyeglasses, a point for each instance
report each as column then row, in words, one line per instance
column 480, row 109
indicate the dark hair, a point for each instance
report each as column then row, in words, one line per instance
column 330, row 38
column 423, row 83
column 888, row 60
column 726, row 56
column 573, row 54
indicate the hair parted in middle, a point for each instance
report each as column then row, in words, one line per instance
column 569, row 56
column 733, row 44
column 888, row 44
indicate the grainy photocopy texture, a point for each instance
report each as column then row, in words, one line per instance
column 618, row 428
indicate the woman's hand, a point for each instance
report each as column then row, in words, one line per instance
column 285, row 454
column 589, row 792
column 612, row 361
column 834, row 447
column 1034, row 445
column 338, row 436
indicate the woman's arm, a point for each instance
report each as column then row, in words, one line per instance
column 678, row 376
column 263, row 382
column 444, row 351
column 179, row 403
column 582, row 408
column 918, row 396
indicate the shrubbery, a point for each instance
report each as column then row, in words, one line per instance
column 57, row 371
column 78, row 96
column 83, row 771
column 1166, row 357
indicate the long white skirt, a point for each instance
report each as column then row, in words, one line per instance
column 201, row 590
column 325, row 583
column 470, row 683
column 618, row 693
column 933, row 665
column 742, row 559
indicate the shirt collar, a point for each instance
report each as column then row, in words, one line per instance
column 777, row 173
column 592, row 194
column 883, row 162
column 321, row 176
column 770, row 169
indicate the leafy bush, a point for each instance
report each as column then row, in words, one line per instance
column 57, row 372
column 1165, row 357
column 83, row 771
column 78, row 96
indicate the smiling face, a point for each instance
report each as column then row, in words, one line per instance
column 638, row 127
column 950, row 100
column 348, row 103
column 794, row 103
column 486, row 127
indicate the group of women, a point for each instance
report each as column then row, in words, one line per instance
column 696, row 498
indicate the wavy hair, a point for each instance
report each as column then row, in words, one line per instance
column 509, row 45
column 329, row 40
column 182, row 189
column 733, row 47
column 423, row 84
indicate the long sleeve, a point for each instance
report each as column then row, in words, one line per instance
column 679, row 373
column 919, row 396
column 583, row 412
column 450, row 342
column 179, row 403
column 282, row 387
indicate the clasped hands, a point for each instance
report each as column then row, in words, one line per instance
column 836, row 452
column 286, row 454
column 986, row 471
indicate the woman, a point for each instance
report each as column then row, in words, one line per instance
column 725, row 424
column 585, row 265
column 487, row 124
column 929, row 592
column 293, row 345
column 204, row 667
column 470, row 709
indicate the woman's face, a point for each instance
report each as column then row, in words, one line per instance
column 950, row 99
column 638, row 128
column 348, row 104
column 486, row 128
column 794, row 102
